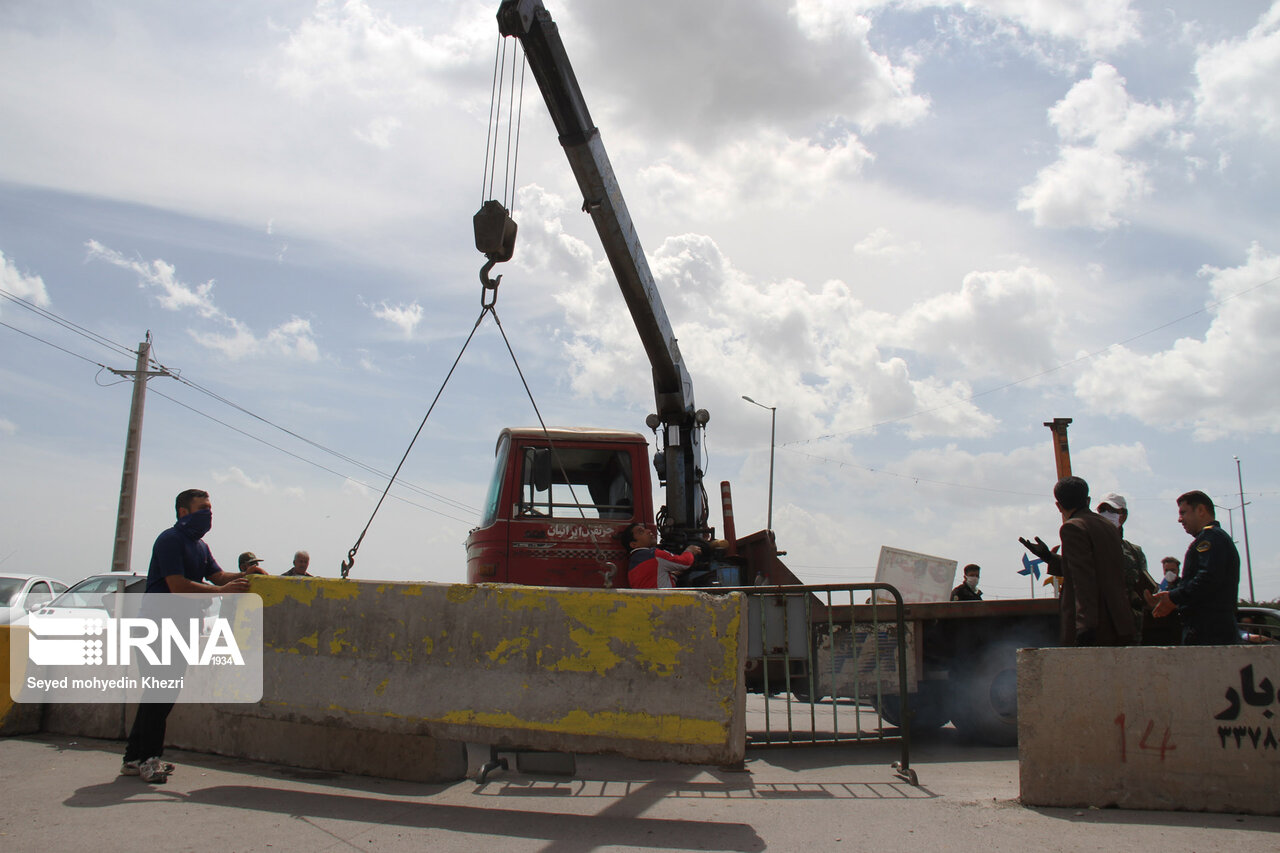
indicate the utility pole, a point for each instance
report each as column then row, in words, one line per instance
column 132, row 449
column 1244, row 522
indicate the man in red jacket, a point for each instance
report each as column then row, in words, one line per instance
column 650, row 567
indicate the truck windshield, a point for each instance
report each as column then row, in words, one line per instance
column 576, row 482
column 495, row 482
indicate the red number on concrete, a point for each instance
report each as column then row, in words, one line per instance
column 1164, row 747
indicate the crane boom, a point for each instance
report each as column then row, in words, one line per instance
column 529, row 21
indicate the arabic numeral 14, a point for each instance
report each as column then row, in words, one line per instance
column 1166, row 744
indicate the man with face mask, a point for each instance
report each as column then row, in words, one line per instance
column 968, row 591
column 1171, row 566
column 181, row 562
column 1114, row 508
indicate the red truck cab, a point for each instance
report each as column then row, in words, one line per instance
column 556, row 502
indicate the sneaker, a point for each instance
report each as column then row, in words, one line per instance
column 134, row 768
column 153, row 770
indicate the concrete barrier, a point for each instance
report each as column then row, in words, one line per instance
column 16, row 718
column 391, row 679
column 1193, row 728
column 643, row 674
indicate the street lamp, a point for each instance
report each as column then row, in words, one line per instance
column 1244, row 522
column 773, row 422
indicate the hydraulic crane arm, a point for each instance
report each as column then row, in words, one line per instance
column 529, row 21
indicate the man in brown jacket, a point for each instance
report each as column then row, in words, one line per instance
column 1094, row 603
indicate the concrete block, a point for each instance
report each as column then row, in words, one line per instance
column 226, row 730
column 1190, row 728
column 644, row 674
column 16, row 718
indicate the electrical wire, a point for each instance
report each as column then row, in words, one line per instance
column 176, row 374
column 101, row 340
column 300, row 458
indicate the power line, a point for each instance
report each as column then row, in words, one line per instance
column 55, row 346
column 349, row 460
column 101, row 340
column 176, row 374
column 300, row 458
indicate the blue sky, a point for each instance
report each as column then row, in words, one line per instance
column 919, row 229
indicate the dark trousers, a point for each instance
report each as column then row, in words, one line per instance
column 146, row 738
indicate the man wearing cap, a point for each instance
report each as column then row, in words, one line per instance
column 1114, row 508
column 250, row 560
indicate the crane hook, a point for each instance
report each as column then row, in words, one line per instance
column 490, row 285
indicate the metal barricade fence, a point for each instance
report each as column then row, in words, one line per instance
column 829, row 671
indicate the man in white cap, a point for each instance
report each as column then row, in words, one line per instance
column 1115, row 509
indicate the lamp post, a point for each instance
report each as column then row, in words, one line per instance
column 1244, row 523
column 773, row 422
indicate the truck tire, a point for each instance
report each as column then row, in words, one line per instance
column 929, row 710
column 800, row 689
column 984, row 706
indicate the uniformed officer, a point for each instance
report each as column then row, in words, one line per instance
column 1206, row 595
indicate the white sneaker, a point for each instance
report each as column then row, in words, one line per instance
column 153, row 770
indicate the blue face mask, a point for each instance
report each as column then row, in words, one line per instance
column 197, row 524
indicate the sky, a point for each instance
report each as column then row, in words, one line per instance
column 920, row 230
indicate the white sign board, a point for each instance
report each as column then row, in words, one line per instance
column 918, row 577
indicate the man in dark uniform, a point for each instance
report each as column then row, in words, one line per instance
column 968, row 591
column 1206, row 595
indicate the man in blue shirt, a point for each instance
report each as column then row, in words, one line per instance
column 180, row 562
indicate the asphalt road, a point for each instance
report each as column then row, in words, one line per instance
column 63, row 794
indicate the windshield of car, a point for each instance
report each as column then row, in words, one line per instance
column 90, row 591
column 9, row 589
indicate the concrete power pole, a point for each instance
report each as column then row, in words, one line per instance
column 132, row 449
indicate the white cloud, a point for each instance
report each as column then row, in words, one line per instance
column 1099, row 26
column 1237, row 79
column 822, row 361
column 881, row 243
column 350, row 47
column 292, row 339
column 793, row 70
column 162, row 277
column 237, row 477
column 28, row 287
column 1217, row 385
column 766, row 169
column 379, row 131
column 404, row 317
column 8, row 427
column 1093, row 181
column 1000, row 322
column 1085, row 188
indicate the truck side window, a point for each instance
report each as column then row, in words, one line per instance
column 579, row 483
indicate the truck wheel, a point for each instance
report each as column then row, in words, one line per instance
column 800, row 690
column 985, row 702
column 928, row 709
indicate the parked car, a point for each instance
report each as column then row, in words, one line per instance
column 1259, row 621
column 22, row 593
